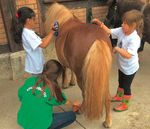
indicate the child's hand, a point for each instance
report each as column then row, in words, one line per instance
column 115, row 49
column 98, row 22
column 95, row 21
column 76, row 106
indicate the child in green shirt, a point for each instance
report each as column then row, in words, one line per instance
column 38, row 95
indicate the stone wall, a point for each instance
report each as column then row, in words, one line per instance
column 12, row 64
column 5, row 66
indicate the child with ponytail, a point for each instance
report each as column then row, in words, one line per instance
column 22, row 27
column 38, row 95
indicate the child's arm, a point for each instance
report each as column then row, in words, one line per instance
column 54, row 31
column 123, row 52
column 54, row 102
column 101, row 25
column 46, row 40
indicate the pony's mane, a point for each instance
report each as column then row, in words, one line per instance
column 57, row 12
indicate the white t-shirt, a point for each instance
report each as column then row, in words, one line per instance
column 34, row 59
column 130, row 43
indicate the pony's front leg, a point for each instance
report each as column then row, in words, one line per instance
column 73, row 80
column 65, row 80
column 108, row 120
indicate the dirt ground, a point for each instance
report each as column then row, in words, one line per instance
column 137, row 117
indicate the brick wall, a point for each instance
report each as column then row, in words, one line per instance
column 33, row 5
column 80, row 13
column 3, row 39
column 30, row 3
column 100, row 12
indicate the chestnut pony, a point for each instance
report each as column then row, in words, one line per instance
column 86, row 50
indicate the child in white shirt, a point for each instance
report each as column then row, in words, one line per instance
column 32, row 43
column 128, row 36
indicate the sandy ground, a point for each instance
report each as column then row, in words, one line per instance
column 137, row 117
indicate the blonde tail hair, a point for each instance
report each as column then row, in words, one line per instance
column 96, row 78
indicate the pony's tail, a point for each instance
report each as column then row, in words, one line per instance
column 96, row 71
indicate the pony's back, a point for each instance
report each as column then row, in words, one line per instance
column 81, row 37
column 87, row 50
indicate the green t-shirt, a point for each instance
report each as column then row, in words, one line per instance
column 35, row 111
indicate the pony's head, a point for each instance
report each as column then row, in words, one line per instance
column 112, row 18
column 57, row 12
column 118, row 7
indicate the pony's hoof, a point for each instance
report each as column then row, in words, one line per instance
column 65, row 86
column 72, row 84
column 106, row 125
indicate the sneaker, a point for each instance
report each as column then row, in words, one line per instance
column 121, row 107
column 116, row 98
column 124, row 105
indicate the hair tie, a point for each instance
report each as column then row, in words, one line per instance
column 17, row 16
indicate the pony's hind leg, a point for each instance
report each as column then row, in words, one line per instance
column 108, row 120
